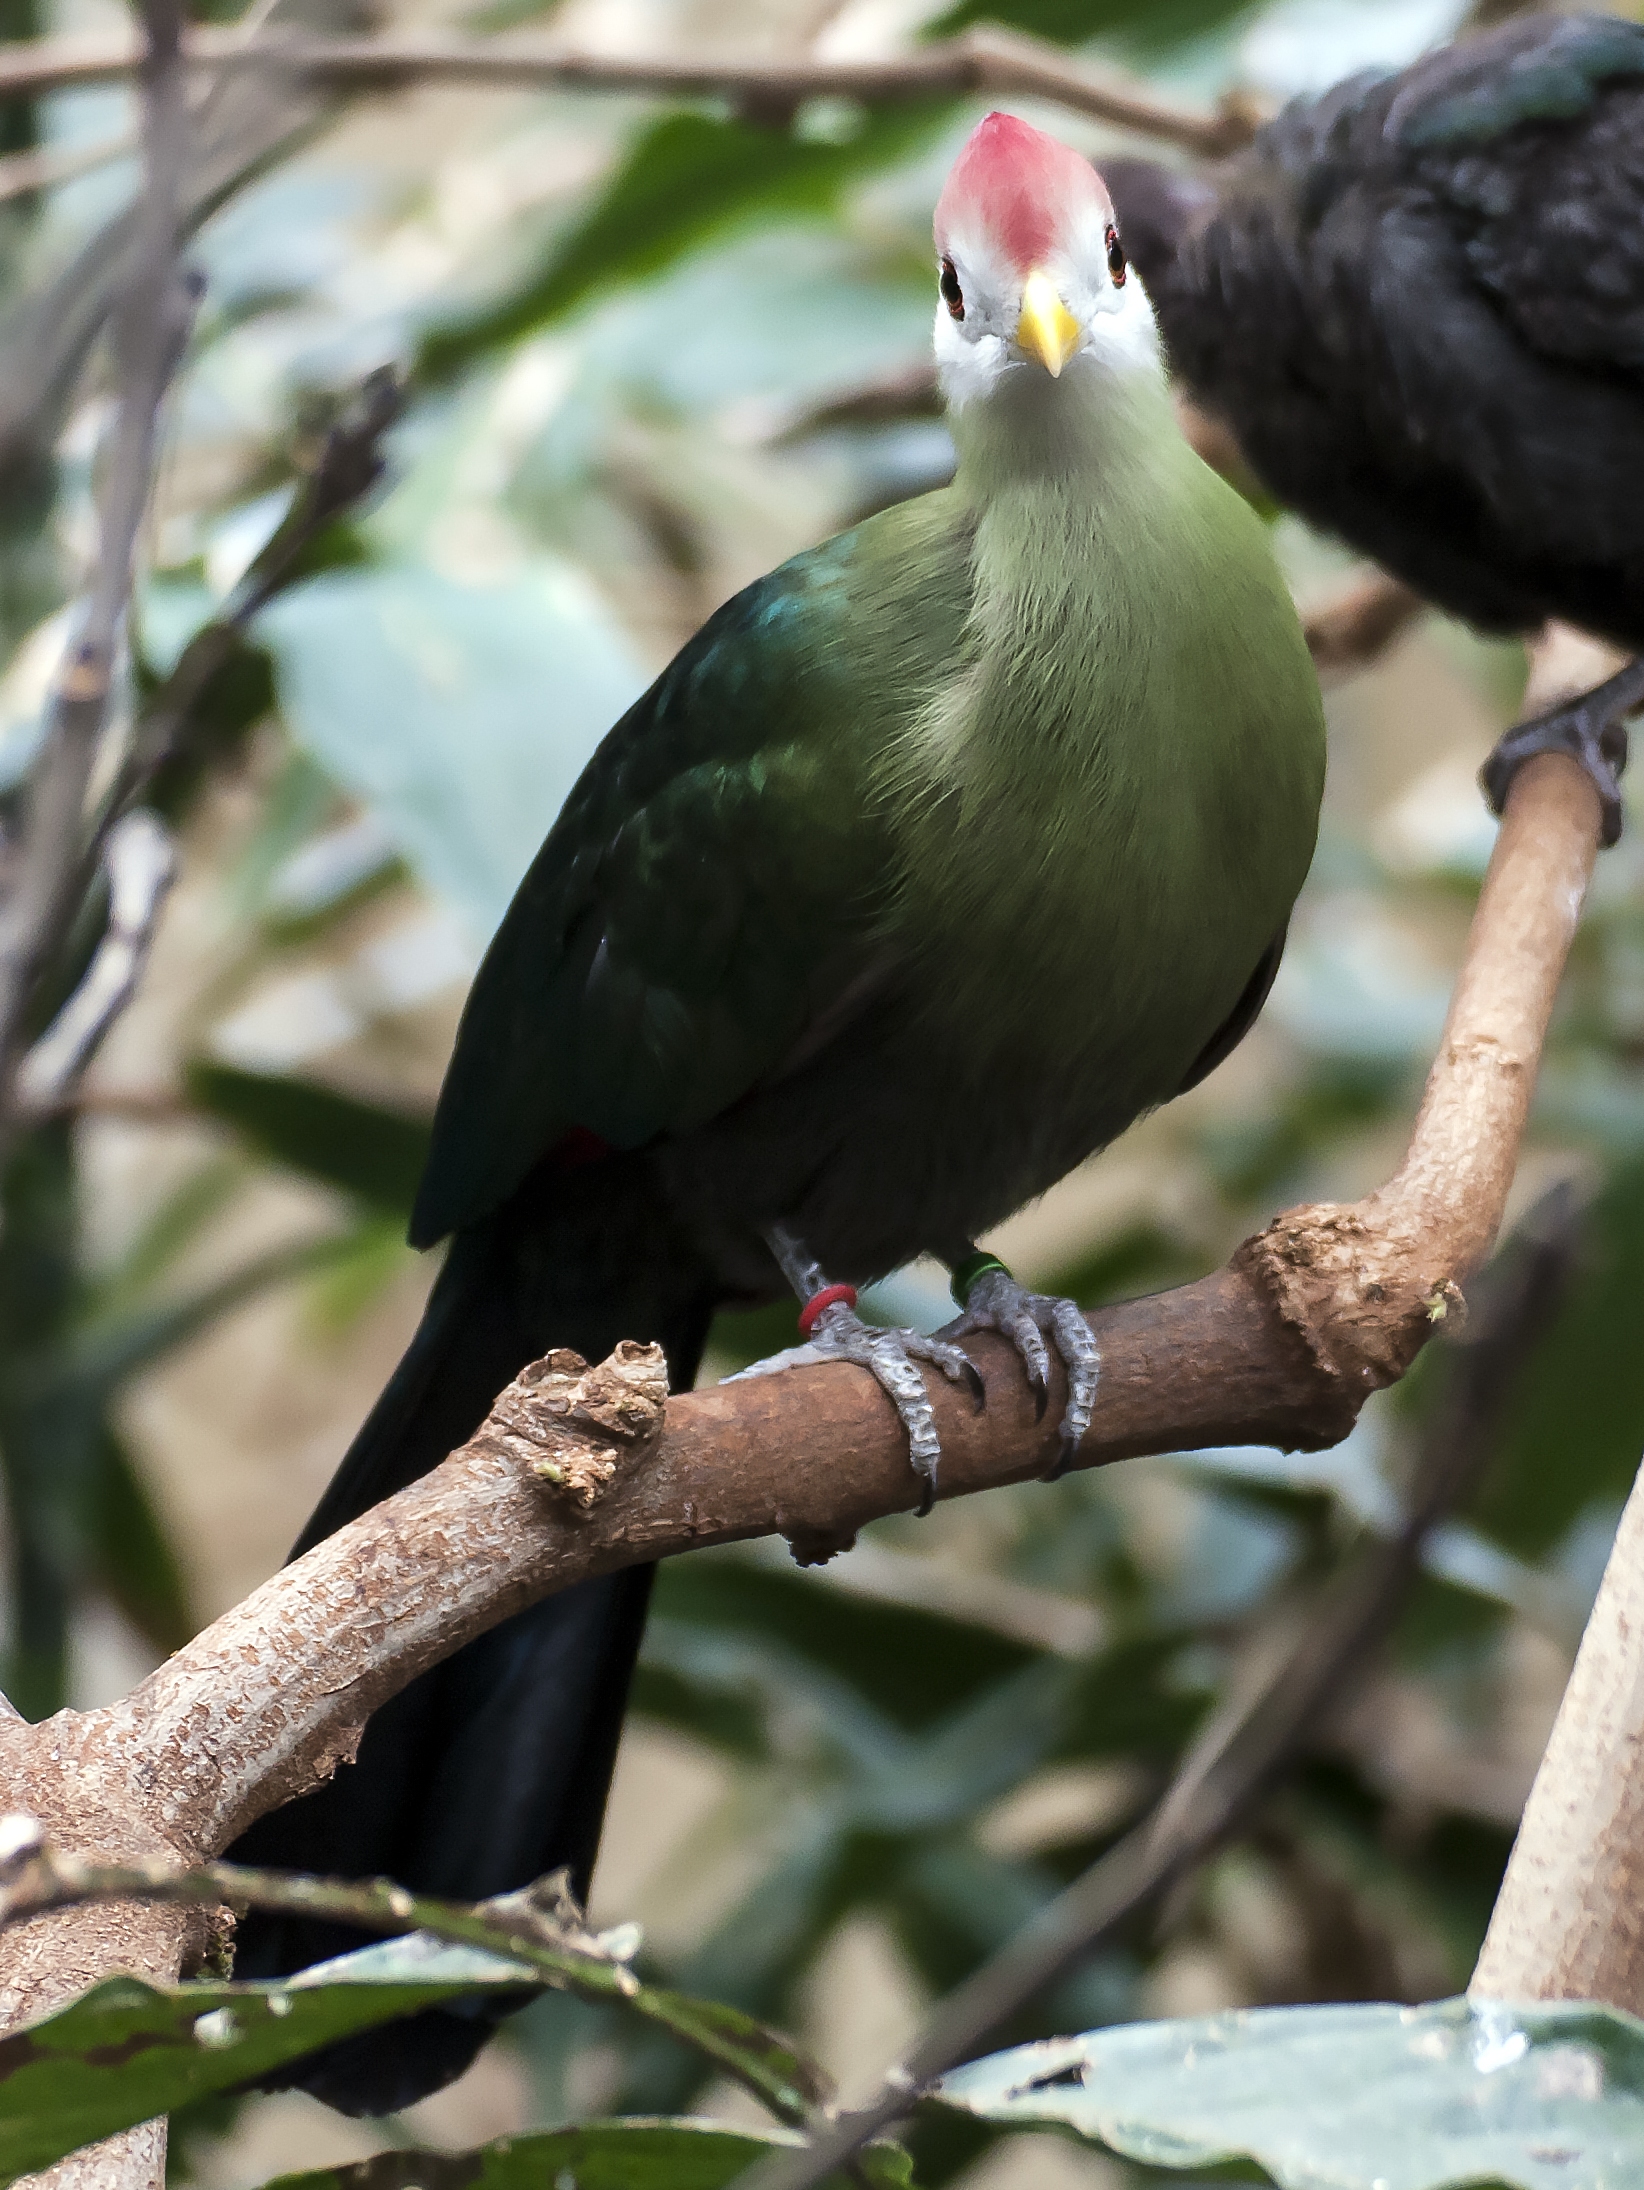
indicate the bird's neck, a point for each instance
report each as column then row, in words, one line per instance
column 1087, row 433
column 1070, row 485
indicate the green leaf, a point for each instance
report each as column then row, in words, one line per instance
column 134, row 1559
column 1150, row 27
column 1346, row 2098
column 914, row 1662
column 106, row 1352
column 625, row 2155
column 763, row 2058
column 367, row 1149
column 1577, row 1421
column 128, row 2050
column 460, row 714
column 687, row 178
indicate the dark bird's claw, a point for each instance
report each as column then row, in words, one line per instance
column 995, row 1302
column 978, row 1390
column 1063, row 1460
column 1592, row 730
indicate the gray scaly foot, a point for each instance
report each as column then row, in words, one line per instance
column 991, row 1300
column 1591, row 729
column 835, row 1332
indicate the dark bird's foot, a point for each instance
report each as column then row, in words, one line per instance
column 835, row 1332
column 991, row 1300
column 1591, row 729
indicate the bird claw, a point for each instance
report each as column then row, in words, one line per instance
column 996, row 1302
column 1592, row 730
column 890, row 1358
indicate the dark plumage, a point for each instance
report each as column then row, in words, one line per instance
column 1419, row 303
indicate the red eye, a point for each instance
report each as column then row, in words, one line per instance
column 952, row 295
column 1117, row 264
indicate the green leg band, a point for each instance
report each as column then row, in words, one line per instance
column 966, row 1273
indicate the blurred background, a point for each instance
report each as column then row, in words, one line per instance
column 652, row 352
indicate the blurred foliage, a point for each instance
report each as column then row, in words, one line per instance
column 618, row 320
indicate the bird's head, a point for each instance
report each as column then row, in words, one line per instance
column 1031, row 275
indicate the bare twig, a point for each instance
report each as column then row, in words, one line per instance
column 1237, row 1759
column 349, row 462
column 348, row 465
column 150, row 328
column 986, row 61
column 140, row 863
column 158, row 1107
column 45, row 167
column 540, row 1928
column 240, row 125
column 1354, row 626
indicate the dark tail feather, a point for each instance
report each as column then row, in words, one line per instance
column 492, row 1768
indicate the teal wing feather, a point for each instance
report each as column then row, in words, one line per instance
column 708, row 893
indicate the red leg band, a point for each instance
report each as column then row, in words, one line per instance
column 824, row 1299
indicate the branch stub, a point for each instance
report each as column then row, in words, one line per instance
column 554, row 1417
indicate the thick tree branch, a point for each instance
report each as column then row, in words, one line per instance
column 578, row 1474
column 984, row 61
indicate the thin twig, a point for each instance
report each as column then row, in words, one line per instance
column 1236, row 1761
column 47, row 167
column 348, row 466
column 541, row 1928
column 140, row 862
column 985, row 60
column 159, row 1107
column 150, row 328
column 1353, row 627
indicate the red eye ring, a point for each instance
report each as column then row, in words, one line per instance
column 947, row 280
column 1117, row 264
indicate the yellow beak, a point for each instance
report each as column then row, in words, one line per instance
column 1046, row 329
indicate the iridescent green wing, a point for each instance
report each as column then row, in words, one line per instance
column 710, row 891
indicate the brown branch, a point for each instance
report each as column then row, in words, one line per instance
column 1279, row 1347
column 984, row 61
column 1240, row 1755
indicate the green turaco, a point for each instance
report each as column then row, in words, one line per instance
column 936, row 858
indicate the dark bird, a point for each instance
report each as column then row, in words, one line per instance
column 1418, row 302
column 932, row 861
